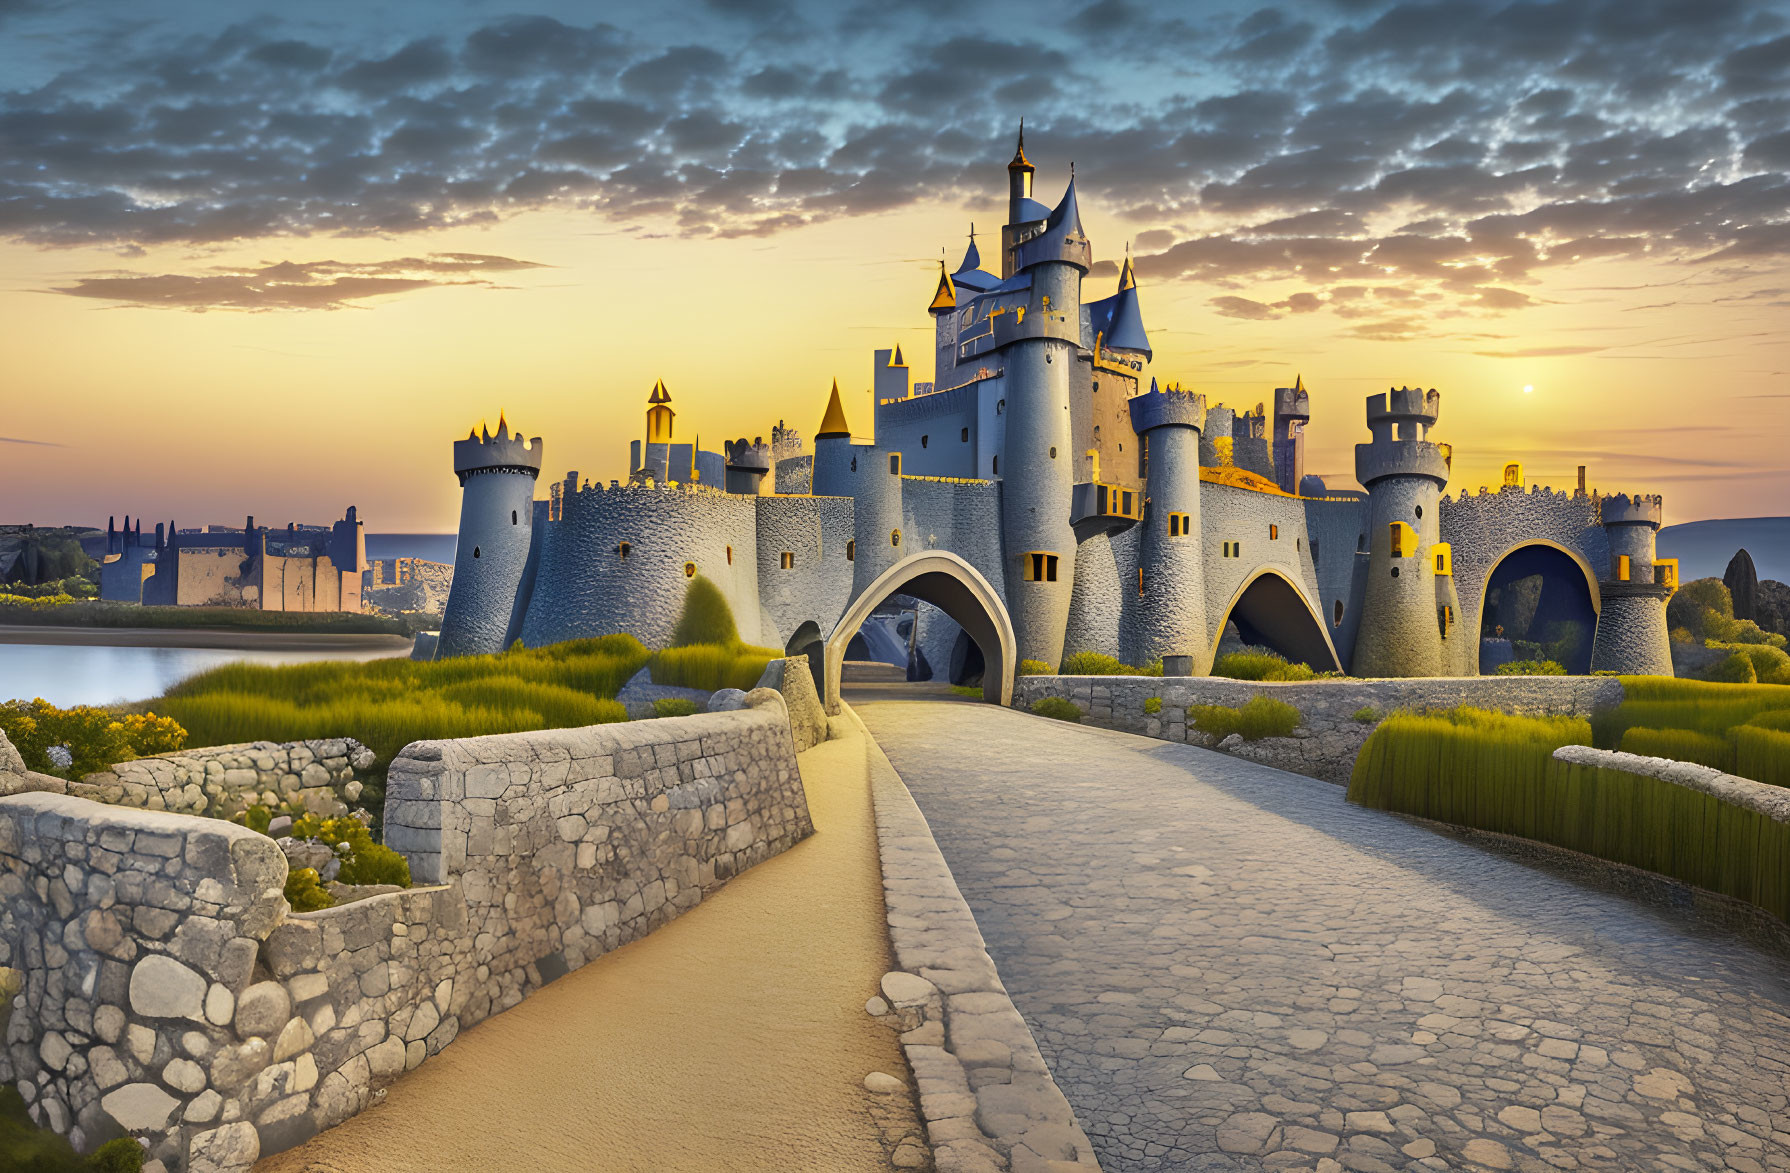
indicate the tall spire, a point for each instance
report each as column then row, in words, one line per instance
column 1127, row 279
column 833, row 422
column 945, row 298
column 660, row 394
column 972, row 256
column 1298, row 382
column 897, row 360
column 1020, row 162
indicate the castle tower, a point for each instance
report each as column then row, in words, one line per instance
column 1410, row 610
column 1038, row 339
column 1172, row 584
column 497, row 483
column 833, row 455
column 1292, row 411
column 1021, row 208
column 654, row 452
column 877, row 532
column 747, row 465
column 1631, row 623
column 891, row 375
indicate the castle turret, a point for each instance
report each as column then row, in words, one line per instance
column 1249, row 443
column 1022, row 209
column 878, row 540
column 497, row 479
column 1631, row 621
column 1292, row 411
column 1171, row 585
column 747, row 465
column 1038, row 337
column 833, row 454
column 1410, row 610
column 891, row 375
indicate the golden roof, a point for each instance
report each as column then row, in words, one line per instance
column 833, row 423
column 946, row 296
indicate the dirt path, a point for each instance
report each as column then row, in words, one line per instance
column 733, row 1038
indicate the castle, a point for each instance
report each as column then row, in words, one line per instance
column 1044, row 496
column 300, row 568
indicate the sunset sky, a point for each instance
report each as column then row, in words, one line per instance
column 275, row 262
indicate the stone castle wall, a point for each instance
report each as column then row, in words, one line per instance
column 170, row 993
column 321, row 775
column 817, row 587
column 1481, row 528
column 1330, row 735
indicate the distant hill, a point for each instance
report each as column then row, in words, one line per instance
column 1704, row 547
column 437, row 547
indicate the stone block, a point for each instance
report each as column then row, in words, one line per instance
column 162, row 987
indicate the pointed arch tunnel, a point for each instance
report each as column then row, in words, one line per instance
column 953, row 586
column 1270, row 611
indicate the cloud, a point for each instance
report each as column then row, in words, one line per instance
column 1243, row 307
column 294, row 285
column 1540, row 352
column 15, row 439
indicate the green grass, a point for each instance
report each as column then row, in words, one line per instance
column 1496, row 773
column 1762, row 754
column 675, row 706
column 1257, row 718
column 1033, row 668
column 1366, row 714
column 705, row 650
column 1261, row 666
column 1100, row 664
column 1531, row 668
column 969, row 690
column 387, row 704
column 1681, row 745
column 1661, row 702
column 1057, row 709
column 29, row 1149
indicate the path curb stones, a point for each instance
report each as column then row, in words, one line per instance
column 986, row 1096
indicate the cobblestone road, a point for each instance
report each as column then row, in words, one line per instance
column 1230, row 968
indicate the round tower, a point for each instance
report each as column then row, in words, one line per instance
column 1039, row 335
column 497, row 484
column 833, row 452
column 1631, row 622
column 878, row 540
column 1410, row 609
column 1171, row 586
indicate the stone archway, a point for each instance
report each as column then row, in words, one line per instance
column 953, row 586
column 1560, row 569
column 1272, row 608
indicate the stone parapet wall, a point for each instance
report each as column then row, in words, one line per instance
column 1761, row 798
column 170, row 992
column 320, row 775
column 1329, row 736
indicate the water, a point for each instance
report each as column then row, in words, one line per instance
column 66, row 674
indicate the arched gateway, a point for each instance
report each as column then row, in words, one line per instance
column 953, row 586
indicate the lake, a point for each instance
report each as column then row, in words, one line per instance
column 98, row 674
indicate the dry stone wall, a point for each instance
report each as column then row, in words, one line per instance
column 1331, row 733
column 170, row 993
column 321, row 775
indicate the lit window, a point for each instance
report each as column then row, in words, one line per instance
column 623, row 550
column 1622, row 568
column 1445, row 619
column 730, row 555
column 1140, row 582
column 1179, row 525
column 851, row 550
column 894, row 537
column 789, row 560
column 1040, row 566
column 1402, row 540
column 689, row 570
column 1274, row 533
column 1444, row 559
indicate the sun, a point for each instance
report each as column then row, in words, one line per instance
column 1528, row 388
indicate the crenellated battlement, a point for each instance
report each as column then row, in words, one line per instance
column 1169, row 407
column 481, row 452
column 1623, row 509
column 1401, row 405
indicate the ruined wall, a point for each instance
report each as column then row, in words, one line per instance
column 170, row 993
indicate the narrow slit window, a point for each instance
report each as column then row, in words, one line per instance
column 1140, row 582
column 1336, row 621
column 895, row 463
column 788, row 560
column 964, row 436
column 623, row 550
column 513, row 517
column 1040, row 566
column 924, row 440
column 689, row 570
column 730, row 555
column 1274, row 533
column 851, row 550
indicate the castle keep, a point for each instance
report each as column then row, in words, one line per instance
column 1048, row 493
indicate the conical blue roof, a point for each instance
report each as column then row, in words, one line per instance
column 1063, row 238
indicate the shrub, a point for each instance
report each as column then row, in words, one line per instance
column 674, row 706
column 304, row 891
column 1771, row 665
column 1101, row 664
column 1681, row 745
column 1257, row 718
column 1465, row 766
column 1260, row 666
column 1366, row 714
column 1763, row 754
column 1719, row 629
column 1531, row 668
column 363, row 861
column 1057, row 709
column 1153, row 705
column 29, row 1149
column 707, row 619
column 1682, row 635
column 1662, row 702
column 96, row 739
column 1736, row 669
column 1033, row 668
column 1778, row 719
column 712, row 666
column 1694, row 601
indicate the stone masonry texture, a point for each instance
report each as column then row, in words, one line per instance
column 1330, row 734
column 1227, row 967
column 170, row 993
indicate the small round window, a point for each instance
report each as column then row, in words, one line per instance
column 1395, row 572
column 1053, row 451
column 1420, row 511
column 689, row 570
column 894, row 537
